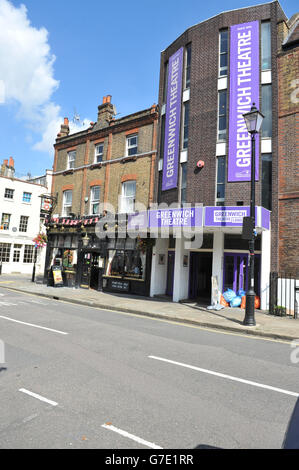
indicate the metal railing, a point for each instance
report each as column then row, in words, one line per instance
column 284, row 294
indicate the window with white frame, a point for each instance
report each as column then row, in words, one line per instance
column 28, row 254
column 26, row 197
column 5, row 252
column 98, row 153
column 71, row 158
column 132, row 145
column 128, row 197
column 67, row 203
column 5, row 221
column 16, row 253
column 23, row 223
column 8, row 193
column 94, row 200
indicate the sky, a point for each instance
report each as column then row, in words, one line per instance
column 59, row 58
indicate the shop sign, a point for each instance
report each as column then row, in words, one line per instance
column 244, row 91
column 57, row 275
column 172, row 123
column 185, row 217
column 122, row 286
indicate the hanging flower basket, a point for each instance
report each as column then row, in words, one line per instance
column 40, row 240
column 143, row 244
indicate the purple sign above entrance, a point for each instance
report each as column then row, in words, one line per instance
column 172, row 124
column 191, row 217
column 244, row 91
column 225, row 216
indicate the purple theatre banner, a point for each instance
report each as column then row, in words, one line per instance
column 172, row 123
column 244, row 90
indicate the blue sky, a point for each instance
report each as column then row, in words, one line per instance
column 58, row 56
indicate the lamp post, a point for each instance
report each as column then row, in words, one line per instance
column 253, row 121
column 34, row 263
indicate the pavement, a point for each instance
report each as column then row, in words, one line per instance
column 229, row 319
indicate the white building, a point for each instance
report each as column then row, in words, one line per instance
column 20, row 222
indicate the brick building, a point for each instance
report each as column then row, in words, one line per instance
column 97, row 173
column 288, row 147
column 209, row 77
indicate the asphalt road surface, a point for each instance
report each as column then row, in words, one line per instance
column 81, row 377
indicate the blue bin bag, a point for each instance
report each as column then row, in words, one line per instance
column 236, row 302
column 229, row 295
column 241, row 293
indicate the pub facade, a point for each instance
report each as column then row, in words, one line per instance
column 99, row 176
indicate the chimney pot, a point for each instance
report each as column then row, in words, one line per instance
column 11, row 162
column 108, row 98
column 104, row 99
column 66, row 121
column 5, row 162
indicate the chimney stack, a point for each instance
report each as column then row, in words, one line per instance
column 64, row 129
column 7, row 167
column 105, row 112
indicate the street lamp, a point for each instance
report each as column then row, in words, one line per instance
column 253, row 121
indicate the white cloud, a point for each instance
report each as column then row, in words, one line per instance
column 27, row 74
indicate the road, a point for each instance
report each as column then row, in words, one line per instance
column 81, row 377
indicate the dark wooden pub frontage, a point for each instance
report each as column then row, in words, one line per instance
column 113, row 262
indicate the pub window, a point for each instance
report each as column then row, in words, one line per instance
column 127, row 200
column 223, row 52
column 67, row 202
column 129, row 263
column 94, row 200
column 71, row 158
column 222, row 96
column 267, row 180
column 99, row 150
column 132, row 145
column 266, row 45
column 267, row 110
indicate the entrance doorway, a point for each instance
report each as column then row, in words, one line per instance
column 170, row 273
column 92, row 271
column 200, row 276
column 236, row 270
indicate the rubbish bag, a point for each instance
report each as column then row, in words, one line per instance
column 241, row 292
column 229, row 295
column 223, row 302
column 236, row 301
